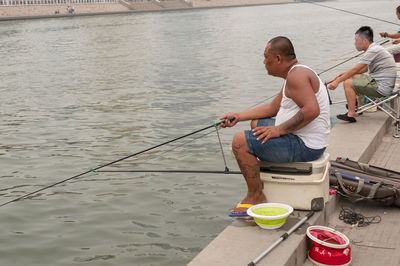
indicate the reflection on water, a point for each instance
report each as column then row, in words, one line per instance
column 78, row 93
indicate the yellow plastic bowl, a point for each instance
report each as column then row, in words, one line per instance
column 270, row 215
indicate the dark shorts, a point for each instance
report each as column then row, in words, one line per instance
column 286, row 148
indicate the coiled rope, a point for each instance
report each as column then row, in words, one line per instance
column 350, row 216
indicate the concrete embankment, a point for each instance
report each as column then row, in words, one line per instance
column 122, row 7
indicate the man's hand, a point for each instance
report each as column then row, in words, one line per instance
column 267, row 133
column 333, row 85
column 227, row 122
column 396, row 42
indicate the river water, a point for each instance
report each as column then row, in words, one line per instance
column 77, row 93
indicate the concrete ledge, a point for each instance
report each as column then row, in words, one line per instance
column 358, row 141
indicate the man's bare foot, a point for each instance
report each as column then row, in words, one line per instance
column 247, row 202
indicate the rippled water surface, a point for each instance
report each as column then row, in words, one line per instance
column 77, row 93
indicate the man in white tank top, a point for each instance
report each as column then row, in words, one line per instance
column 300, row 130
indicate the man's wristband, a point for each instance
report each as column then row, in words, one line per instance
column 385, row 34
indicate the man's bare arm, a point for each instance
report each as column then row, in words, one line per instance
column 293, row 123
column 299, row 88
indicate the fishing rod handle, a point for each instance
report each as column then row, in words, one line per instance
column 223, row 121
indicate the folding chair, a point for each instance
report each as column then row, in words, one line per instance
column 389, row 104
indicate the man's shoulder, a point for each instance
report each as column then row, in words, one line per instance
column 300, row 77
column 375, row 48
column 301, row 72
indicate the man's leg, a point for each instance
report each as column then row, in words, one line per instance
column 250, row 168
column 350, row 95
column 359, row 102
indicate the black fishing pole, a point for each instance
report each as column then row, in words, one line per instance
column 353, row 13
column 227, row 171
column 216, row 124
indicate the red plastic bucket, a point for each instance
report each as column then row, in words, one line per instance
column 330, row 247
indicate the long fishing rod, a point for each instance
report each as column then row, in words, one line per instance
column 351, row 58
column 353, row 13
column 216, row 124
column 227, row 171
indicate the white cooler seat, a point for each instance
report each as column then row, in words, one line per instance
column 302, row 185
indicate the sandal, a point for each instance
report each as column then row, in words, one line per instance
column 347, row 118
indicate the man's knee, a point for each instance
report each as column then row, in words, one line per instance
column 348, row 83
column 239, row 142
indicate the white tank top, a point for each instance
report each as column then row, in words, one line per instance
column 314, row 134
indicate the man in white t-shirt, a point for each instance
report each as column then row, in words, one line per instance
column 300, row 130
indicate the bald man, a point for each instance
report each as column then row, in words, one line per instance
column 299, row 132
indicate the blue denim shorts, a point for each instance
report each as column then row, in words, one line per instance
column 286, row 148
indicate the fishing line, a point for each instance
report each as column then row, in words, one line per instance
column 258, row 103
column 180, row 145
column 226, row 171
column 222, row 150
column 110, row 163
column 353, row 13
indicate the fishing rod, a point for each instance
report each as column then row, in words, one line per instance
column 353, row 13
column 216, row 124
column 282, row 238
column 340, row 58
column 226, row 171
column 347, row 60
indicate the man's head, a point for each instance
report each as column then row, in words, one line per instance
column 364, row 36
column 279, row 54
column 398, row 12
